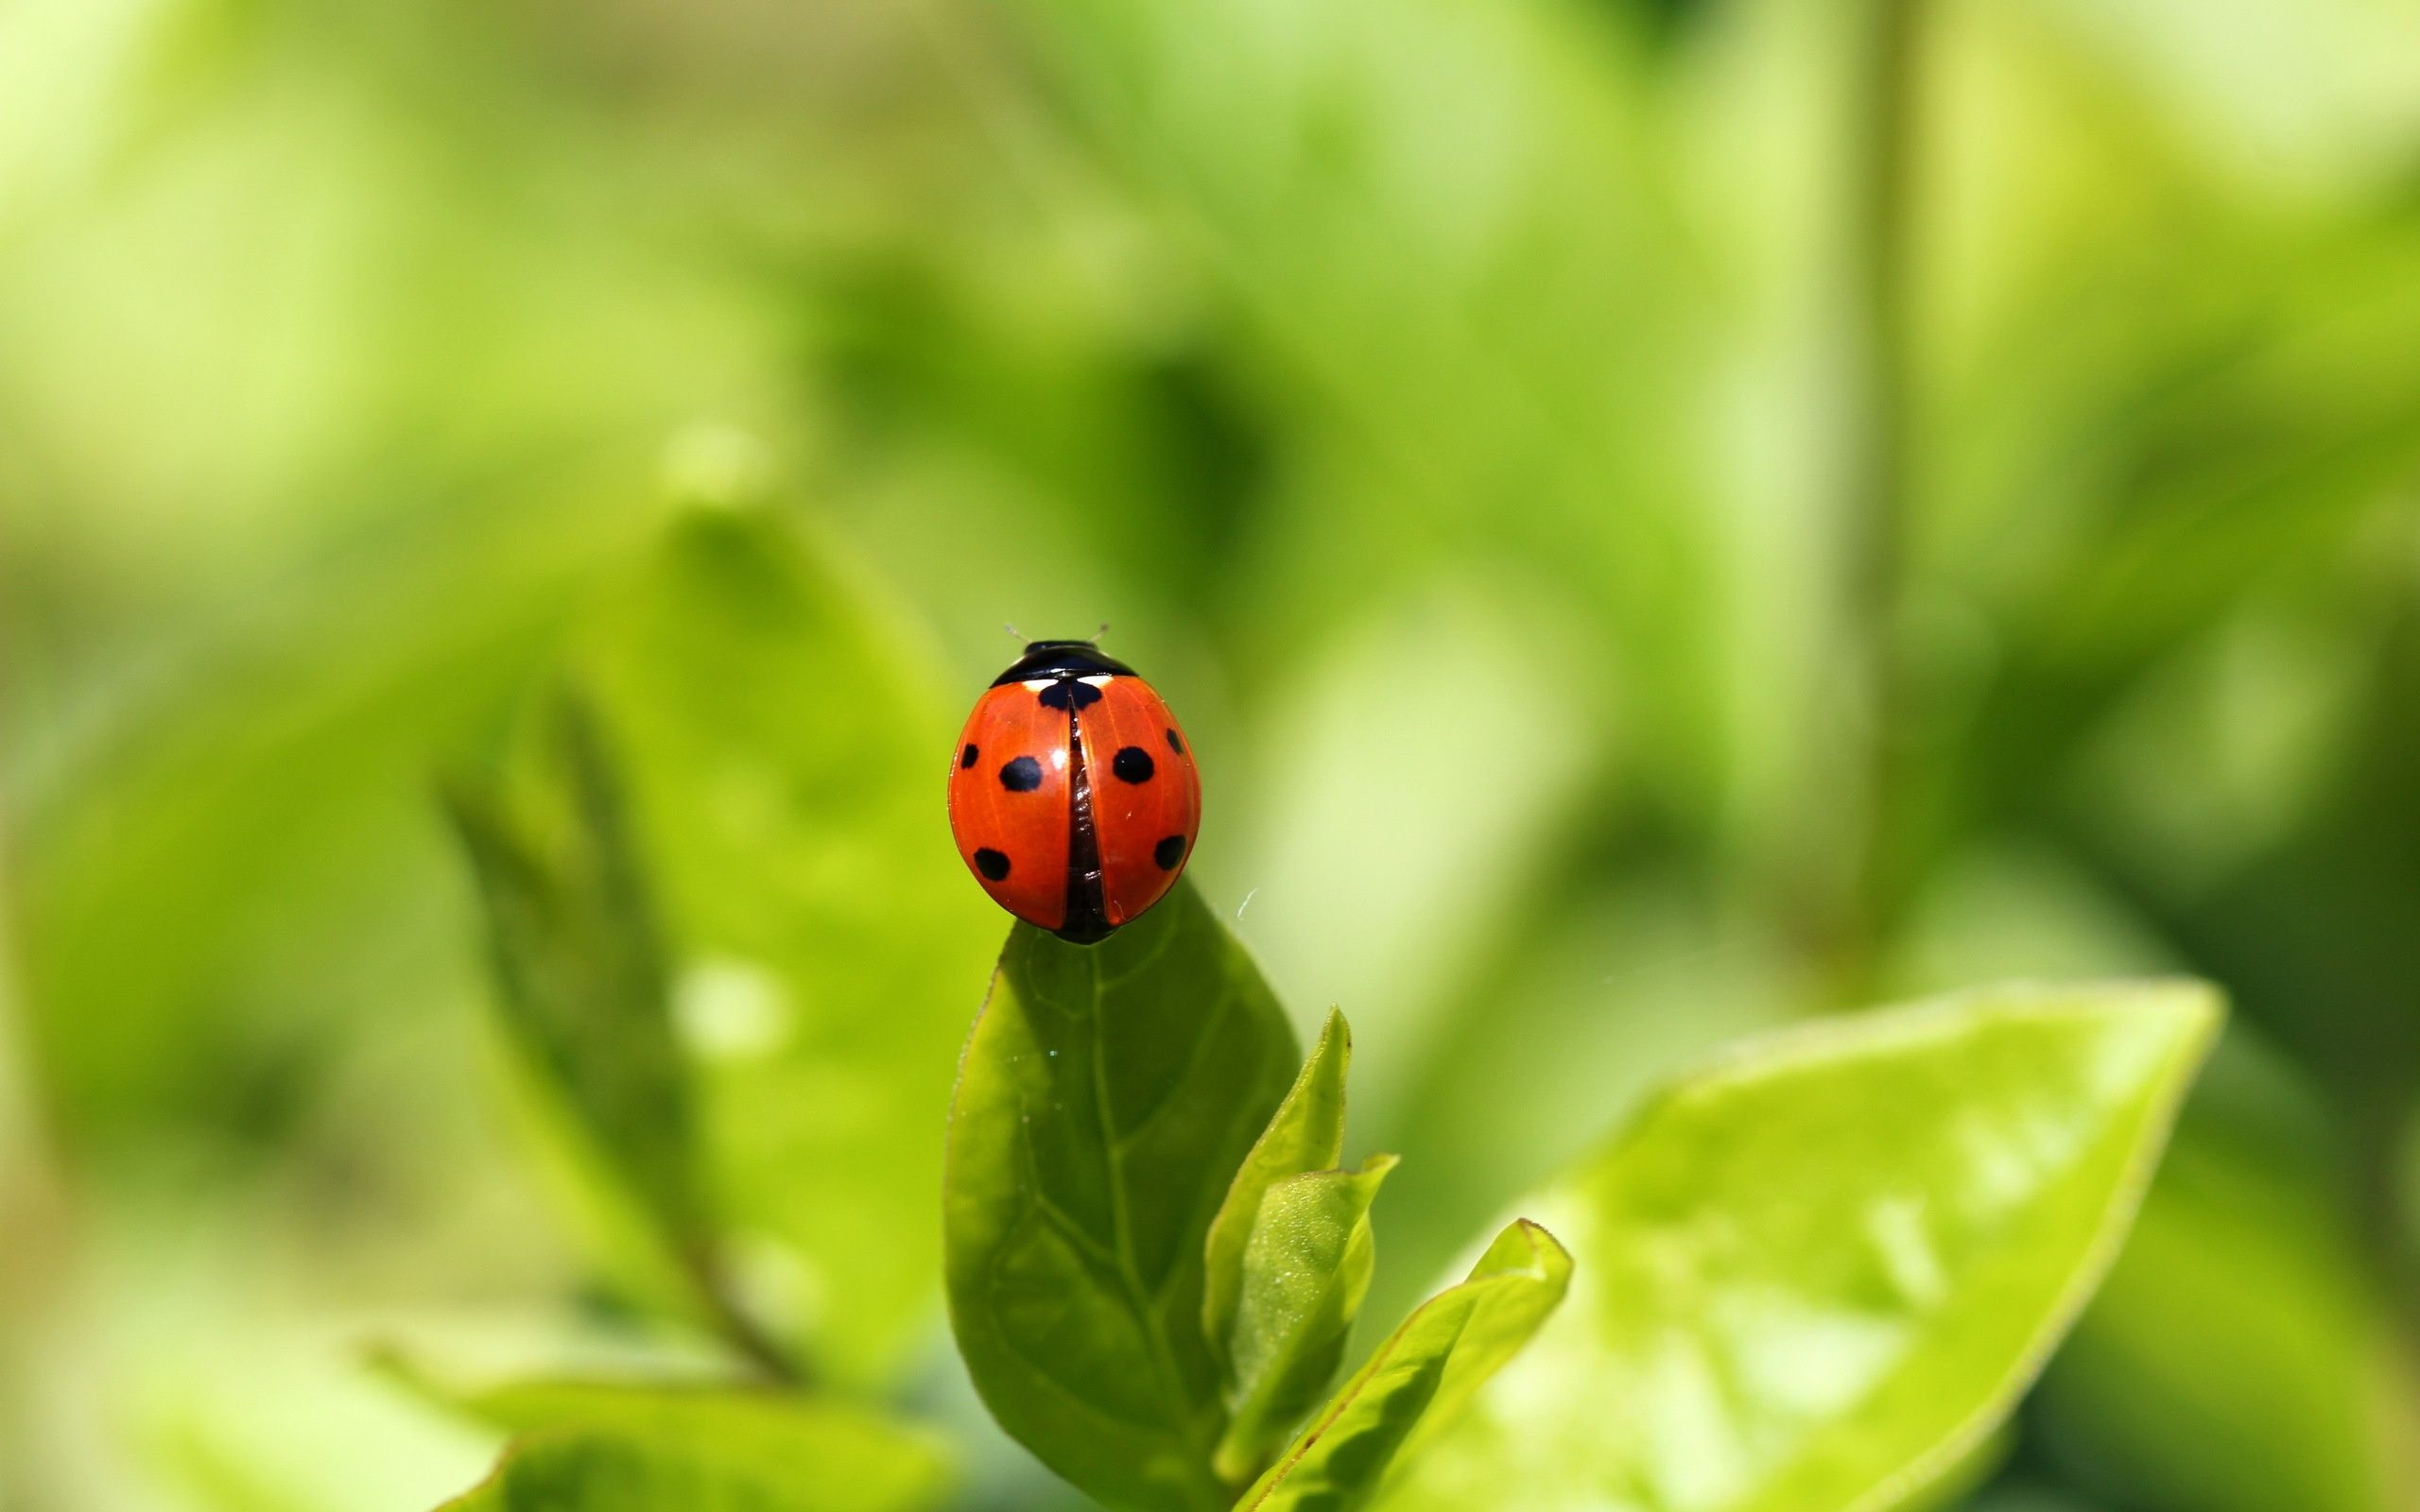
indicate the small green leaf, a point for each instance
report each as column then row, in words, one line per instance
column 579, row 1469
column 780, row 732
column 583, row 989
column 1818, row 1274
column 1421, row 1378
column 1104, row 1102
column 599, row 1447
column 1306, row 1133
column 1305, row 1270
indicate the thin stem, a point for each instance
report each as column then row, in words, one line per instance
column 1885, row 120
column 1843, row 878
column 739, row 1327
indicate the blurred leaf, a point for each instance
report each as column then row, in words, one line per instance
column 1428, row 901
column 260, row 798
column 598, row 1447
column 704, row 1409
column 1816, row 1275
column 1577, row 1014
column 2024, row 1498
column 323, row 406
column 2237, row 1358
column 1306, row 1133
column 583, row 988
column 1304, row 1274
column 1954, row 1489
column 783, row 743
column 1104, row 1102
column 1421, row 1378
column 1447, row 318
column 668, row 1448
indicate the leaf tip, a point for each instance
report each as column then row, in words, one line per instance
column 2198, row 1010
column 1525, row 1248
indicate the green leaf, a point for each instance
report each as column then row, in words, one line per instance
column 1421, row 1378
column 1104, row 1101
column 1304, row 1274
column 261, row 802
column 584, row 991
column 1306, row 1133
column 599, row 1447
column 1821, row 1271
column 783, row 739
column 2240, row 1357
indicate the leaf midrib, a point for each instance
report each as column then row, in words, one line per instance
column 1196, row 1424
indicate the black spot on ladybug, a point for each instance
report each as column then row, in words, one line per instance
column 1167, row 852
column 966, row 757
column 992, row 863
column 1021, row 775
column 1175, row 745
column 1131, row 765
column 1067, row 693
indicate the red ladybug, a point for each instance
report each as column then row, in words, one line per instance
column 1074, row 798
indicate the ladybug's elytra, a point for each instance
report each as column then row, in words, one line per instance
column 1073, row 793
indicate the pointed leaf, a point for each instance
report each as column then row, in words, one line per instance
column 1818, row 1274
column 782, row 738
column 1306, row 1133
column 1307, row 1269
column 584, row 990
column 596, row 1447
column 1104, row 1101
column 1421, row 1378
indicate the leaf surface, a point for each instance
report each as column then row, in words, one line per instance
column 1420, row 1379
column 1306, row 1133
column 784, row 744
column 1816, row 1275
column 1104, row 1102
column 583, row 988
column 1307, row 1269
column 596, row 1447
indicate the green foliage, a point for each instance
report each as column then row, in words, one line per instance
column 1104, row 1102
column 2234, row 1360
column 1305, row 1271
column 1421, row 1378
column 747, row 1424
column 595, row 1449
column 779, row 733
column 1814, row 1276
column 693, row 1104
column 1454, row 405
column 239, row 833
column 751, row 1063
column 1306, row 1133
column 584, row 990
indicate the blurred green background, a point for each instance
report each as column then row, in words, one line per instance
column 1661, row 516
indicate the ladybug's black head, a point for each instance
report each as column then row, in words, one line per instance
column 1062, row 658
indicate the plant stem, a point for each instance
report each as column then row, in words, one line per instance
column 1853, row 773
column 739, row 1327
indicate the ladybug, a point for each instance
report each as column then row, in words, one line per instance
column 1073, row 795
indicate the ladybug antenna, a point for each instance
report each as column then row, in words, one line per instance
column 1014, row 633
column 1101, row 632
